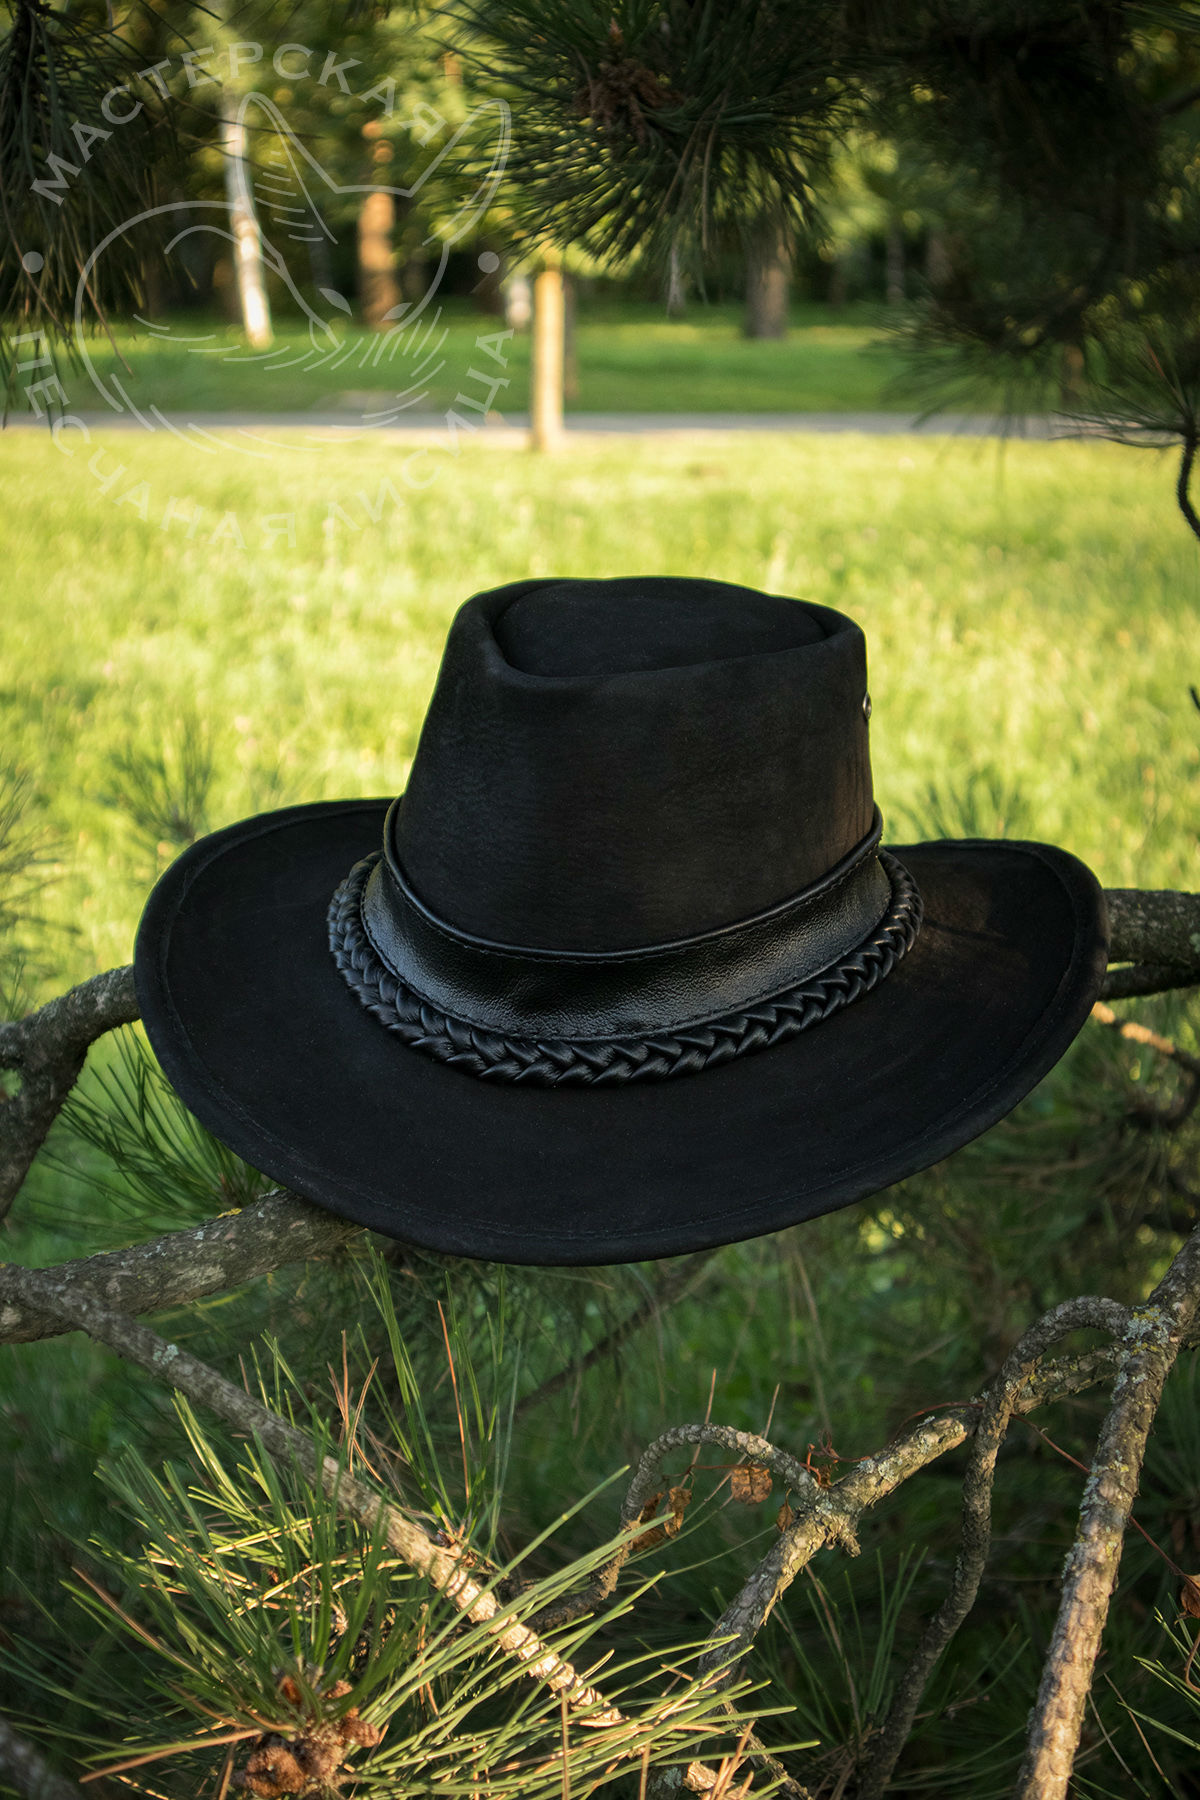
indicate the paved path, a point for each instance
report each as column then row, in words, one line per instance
column 510, row 428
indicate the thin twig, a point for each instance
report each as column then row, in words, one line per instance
column 830, row 1515
column 742, row 1446
column 1183, row 485
column 1172, row 1116
column 1135, row 1033
column 998, row 1407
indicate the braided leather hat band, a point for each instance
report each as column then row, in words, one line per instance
column 610, row 1061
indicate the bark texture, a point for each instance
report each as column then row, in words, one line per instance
column 46, row 1051
column 221, row 1253
column 1153, row 1339
column 768, row 275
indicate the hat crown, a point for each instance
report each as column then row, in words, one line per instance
column 612, row 764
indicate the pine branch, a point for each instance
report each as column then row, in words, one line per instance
column 643, row 1491
column 180, row 1266
column 1156, row 1334
column 824, row 1516
column 1139, row 980
column 447, row 1568
column 996, row 1413
column 47, row 1050
column 1157, row 931
column 830, row 1515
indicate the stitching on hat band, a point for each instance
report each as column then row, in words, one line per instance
column 554, row 1061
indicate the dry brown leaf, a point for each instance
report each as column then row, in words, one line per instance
column 784, row 1517
column 647, row 1539
column 750, row 1483
column 681, row 1499
column 1189, row 1596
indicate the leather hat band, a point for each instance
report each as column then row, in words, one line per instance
column 543, row 1017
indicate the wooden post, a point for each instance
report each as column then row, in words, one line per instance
column 546, row 362
column 378, row 291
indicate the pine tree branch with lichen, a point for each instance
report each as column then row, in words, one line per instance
column 450, row 1569
column 1156, row 1333
column 181, row 1266
column 46, row 1051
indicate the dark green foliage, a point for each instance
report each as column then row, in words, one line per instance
column 1040, row 111
column 160, row 1168
column 646, row 125
column 56, row 66
column 1068, row 226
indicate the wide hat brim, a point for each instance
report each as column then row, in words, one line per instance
column 264, row 1041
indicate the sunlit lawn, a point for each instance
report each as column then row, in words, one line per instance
column 628, row 359
column 1030, row 615
column 1031, row 620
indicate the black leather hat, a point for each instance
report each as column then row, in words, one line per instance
column 625, row 971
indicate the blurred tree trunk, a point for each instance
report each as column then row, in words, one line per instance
column 319, row 265
column 378, row 290
column 518, row 302
column 1071, row 378
column 676, row 285
column 570, row 341
column 937, row 259
column 488, row 292
column 768, row 272
column 895, row 263
column 547, row 368
column 248, row 257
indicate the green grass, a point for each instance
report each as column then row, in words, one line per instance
column 1030, row 616
column 629, row 359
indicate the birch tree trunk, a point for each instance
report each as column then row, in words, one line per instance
column 248, row 257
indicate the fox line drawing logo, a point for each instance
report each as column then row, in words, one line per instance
column 293, row 192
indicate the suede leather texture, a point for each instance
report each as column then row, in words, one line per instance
column 259, row 1034
column 579, row 810
column 609, row 767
